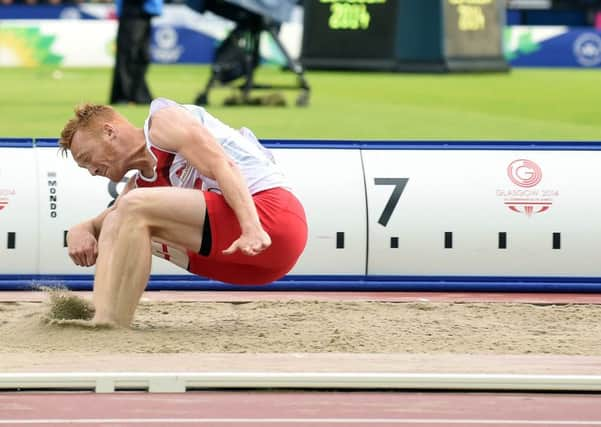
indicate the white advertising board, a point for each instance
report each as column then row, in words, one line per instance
column 485, row 213
column 329, row 183
column 68, row 43
column 60, row 194
column 69, row 195
column 538, row 199
column 19, row 210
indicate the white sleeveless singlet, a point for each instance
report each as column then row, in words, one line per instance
column 255, row 162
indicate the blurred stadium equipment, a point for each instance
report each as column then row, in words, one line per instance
column 404, row 35
column 238, row 55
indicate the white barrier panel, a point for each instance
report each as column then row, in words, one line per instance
column 483, row 212
column 57, row 194
column 18, row 211
column 386, row 212
column 330, row 185
column 67, row 195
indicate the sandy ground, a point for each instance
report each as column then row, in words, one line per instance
column 169, row 328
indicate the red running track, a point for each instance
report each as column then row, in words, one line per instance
column 299, row 409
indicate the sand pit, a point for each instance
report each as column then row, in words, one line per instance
column 312, row 327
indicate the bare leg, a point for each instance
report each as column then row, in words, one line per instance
column 124, row 247
column 122, row 268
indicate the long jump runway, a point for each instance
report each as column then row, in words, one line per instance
column 227, row 408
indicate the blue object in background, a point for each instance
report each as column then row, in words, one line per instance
column 547, row 17
column 513, row 17
column 19, row 11
column 569, row 18
column 575, row 48
column 171, row 45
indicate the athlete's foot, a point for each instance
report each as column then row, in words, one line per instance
column 79, row 323
column 109, row 321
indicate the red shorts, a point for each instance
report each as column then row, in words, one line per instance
column 282, row 217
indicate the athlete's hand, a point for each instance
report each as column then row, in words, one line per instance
column 250, row 243
column 83, row 247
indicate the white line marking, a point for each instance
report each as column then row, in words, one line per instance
column 168, row 421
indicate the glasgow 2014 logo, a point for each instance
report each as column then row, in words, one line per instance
column 524, row 197
column 524, row 173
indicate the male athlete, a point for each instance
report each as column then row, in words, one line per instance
column 205, row 196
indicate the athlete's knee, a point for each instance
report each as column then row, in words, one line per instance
column 133, row 204
column 111, row 224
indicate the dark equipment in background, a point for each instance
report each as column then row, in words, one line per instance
column 404, row 35
column 570, row 13
column 238, row 55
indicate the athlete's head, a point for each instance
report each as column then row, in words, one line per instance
column 92, row 136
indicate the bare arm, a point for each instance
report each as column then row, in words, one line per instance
column 175, row 129
column 82, row 239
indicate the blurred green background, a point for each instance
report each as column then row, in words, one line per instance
column 525, row 104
